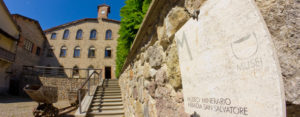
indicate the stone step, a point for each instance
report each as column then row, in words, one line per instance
column 109, row 97
column 105, row 83
column 107, row 112
column 107, row 94
column 109, row 88
column 107, row 107
column 107, row 100
column 99, row 93
column 111, row 85
column 111, row 82
column 109, row 91
column 100, row 88
column 121, row 115
column 113, row 79
column 107, row 104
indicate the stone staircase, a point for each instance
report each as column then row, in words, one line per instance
column 107, row 100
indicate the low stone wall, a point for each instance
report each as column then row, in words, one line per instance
column 65, row 85
column 151, row 84
column 151, row 80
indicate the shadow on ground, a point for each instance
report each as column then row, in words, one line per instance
column 13, row 99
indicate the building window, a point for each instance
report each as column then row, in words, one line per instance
column 53, row 36
column 108, row 35
column 28, row 45
column 93, row 34
column 91, row 53
column 108, row 52
column 63, row 51
column 50, row 52
column 66, row 34
column 79, row 34
column 38, row 51
column 77, row 52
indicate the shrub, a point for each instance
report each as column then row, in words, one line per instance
column 132, row 15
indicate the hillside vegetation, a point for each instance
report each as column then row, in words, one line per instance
column 132, row 15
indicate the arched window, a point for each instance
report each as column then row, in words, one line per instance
column 77, row 52
column 66, row 34
column 75, row 72
column 107, row 52
column 108, row 35
column 53, row 36
column 93, row 34
column 91, row 53
column 79, row 34
column 63, row 51
column 50, row 51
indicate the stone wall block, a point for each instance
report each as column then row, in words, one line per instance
column 146, row 71
column 152, row 72
column 155, row 55
column 146, row 110
column 174, row 20
column 179, row 97
column 161, row 76
column 139, row 110
column 135, row 93
column 173, row 70
column 292, row 89
column 281, row 17
column 141, row 90
column 151, row 88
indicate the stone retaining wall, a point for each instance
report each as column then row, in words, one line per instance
column 64, row 85
column 151, row 80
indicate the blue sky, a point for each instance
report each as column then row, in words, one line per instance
column 51, row 13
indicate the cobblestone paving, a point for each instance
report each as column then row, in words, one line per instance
column 22, row 107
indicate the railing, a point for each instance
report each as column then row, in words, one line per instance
column 88, row 82
column 7, row 55
column 58, row 72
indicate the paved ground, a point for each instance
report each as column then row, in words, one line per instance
column 22, row 107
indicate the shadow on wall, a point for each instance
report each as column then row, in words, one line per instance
column 30, row 75
column 292, row 110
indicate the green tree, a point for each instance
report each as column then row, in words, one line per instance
column 132, row 15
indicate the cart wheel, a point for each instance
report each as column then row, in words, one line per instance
column 52, row 112
column 36, row 113
column 56, row 111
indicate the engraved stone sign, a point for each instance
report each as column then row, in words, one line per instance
column 228, row 64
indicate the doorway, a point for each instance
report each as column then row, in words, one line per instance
column 107, row 72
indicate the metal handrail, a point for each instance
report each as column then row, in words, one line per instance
column 87, row 81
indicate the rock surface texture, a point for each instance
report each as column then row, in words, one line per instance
column 151, row 85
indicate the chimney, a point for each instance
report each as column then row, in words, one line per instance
column 103, row 11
